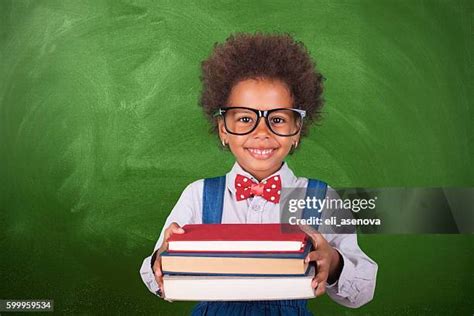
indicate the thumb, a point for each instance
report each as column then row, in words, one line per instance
column 317, row 238
column 176, row 229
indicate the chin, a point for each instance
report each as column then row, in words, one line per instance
column 262, row 166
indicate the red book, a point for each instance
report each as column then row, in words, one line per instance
column 238, row 238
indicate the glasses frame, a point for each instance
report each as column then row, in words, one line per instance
column 260, row 114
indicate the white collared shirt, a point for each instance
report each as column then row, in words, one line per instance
column 356, row 283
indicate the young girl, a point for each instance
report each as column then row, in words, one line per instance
column 260, row 93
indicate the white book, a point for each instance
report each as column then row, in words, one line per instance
column 237, row 288
column 238, row 238
column 237, row 246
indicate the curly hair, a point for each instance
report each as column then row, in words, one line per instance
column 261, row 56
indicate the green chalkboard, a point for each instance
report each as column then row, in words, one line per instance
column 100, row 132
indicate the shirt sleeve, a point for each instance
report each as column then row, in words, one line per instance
column 186, row 211
column 356, row 284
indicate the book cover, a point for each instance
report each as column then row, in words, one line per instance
column 237, row 237
column 236, row 263
column 238, row 288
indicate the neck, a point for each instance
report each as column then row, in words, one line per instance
column 260, row 175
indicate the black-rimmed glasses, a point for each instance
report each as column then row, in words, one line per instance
column 242, row 121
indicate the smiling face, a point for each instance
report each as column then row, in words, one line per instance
column 261, row 152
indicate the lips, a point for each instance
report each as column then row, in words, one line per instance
column 261, row 153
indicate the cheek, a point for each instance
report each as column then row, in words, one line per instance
column 236, row 143
column 286, row 144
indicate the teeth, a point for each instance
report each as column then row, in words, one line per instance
column 260, row 152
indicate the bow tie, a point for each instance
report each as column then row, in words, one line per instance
column 269, row 189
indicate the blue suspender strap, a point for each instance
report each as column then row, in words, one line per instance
column 317, row 189
column 213, row 200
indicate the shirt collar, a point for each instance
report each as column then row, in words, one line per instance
column 288, row 178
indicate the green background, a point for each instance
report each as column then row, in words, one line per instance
column 100, row 132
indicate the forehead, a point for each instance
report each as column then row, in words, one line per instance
column 261, row 94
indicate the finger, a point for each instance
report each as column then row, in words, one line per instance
column 159, row 281
column 157, row 268
column 158, row 273
column 164, row 247
column 321, row 289
column 317, row 238
column 314, row 256
column 314, row 283
column 175, row 228
column 319, row 278
column 161, row 288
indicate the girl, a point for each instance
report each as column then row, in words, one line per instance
column 258, row 89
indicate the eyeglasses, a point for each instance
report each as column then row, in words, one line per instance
column 242, row 121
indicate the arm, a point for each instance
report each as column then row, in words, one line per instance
column 354, row 285
column 184, row 212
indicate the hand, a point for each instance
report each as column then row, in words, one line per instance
column 174, row 228
column 328, row 262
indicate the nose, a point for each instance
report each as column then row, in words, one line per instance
column 261, row 131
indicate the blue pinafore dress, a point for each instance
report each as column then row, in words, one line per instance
column 213, row 198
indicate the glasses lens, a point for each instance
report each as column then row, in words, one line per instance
column 240, row 121
column 285, row 122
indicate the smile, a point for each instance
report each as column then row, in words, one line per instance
column 261, row 153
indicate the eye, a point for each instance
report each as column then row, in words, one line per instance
column 277, row 120
column 245, row 119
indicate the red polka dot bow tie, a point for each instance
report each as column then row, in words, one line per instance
column 269, row 189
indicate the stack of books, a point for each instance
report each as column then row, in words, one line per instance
column 232, row 262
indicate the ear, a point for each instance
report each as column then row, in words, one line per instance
column 221, row 129
column 296, row 140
